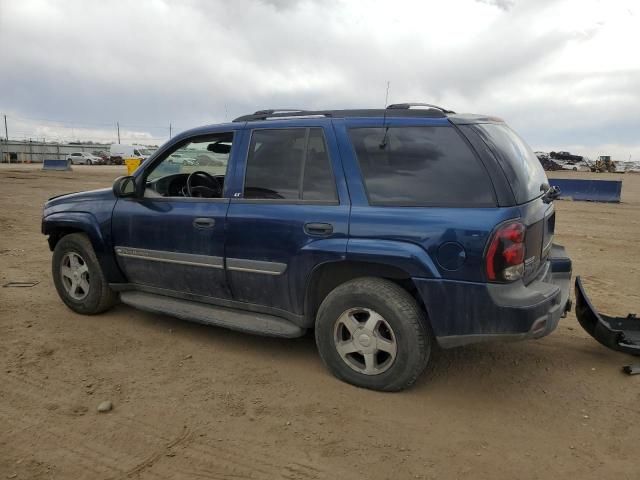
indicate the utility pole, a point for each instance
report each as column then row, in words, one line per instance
column 169, row 130
column 118, row 126
column 6, row 141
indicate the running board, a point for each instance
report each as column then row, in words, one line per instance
column 243, row 321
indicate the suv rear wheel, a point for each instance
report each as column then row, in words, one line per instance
column 78, row 277
column 371, row 333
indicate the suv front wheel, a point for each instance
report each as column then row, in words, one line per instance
column 78, row 277
column 371, row 333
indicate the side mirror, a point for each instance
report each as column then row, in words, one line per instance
column 124, row 187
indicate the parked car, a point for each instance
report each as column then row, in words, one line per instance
column 118, row 152
column 385, row 231
column 182, row 159
column 83, row 158
column 104, row 156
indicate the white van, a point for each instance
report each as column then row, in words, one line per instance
column 118, row 152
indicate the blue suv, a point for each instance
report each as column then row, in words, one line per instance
column 389, row 232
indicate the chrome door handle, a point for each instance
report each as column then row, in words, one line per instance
column 204, row 222
column 318, row 229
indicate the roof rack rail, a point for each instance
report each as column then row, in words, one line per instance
column 407, row 106
column 282, row 113
column 399, row 110
column 271, row 111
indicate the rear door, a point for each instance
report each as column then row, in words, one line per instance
column 289, row 213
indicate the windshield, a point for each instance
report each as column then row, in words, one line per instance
column 520, row 164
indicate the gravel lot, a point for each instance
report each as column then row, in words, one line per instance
column 196, row 402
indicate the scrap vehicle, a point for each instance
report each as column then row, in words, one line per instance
column 565, row 156
column 386, row 231
column 546, row 162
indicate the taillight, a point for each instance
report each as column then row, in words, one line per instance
column 505, row 255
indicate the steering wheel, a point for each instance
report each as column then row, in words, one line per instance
column 212, row 191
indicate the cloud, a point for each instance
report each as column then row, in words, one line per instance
column 560, row 71
column 505, row 5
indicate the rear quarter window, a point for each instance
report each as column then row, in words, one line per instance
column 519, row 163
column 420, row 166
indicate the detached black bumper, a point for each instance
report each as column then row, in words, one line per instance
column 617, row 333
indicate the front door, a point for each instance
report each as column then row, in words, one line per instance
column 171, row 240
column 290, row 214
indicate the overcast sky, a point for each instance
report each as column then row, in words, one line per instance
column 564, row 73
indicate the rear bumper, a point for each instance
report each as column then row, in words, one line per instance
column 616, row 333
column 464, row 312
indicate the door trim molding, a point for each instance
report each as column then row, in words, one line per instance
column 255, row 266
column 190, row 259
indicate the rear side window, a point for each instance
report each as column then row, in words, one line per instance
column 420, row 166
column 520, row 164
column 289, row 164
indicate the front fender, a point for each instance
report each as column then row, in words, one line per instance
column 99, row 236
column 409, row 257
column 79, row 221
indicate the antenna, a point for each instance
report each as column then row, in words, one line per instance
column 383, row 143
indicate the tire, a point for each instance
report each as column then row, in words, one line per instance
column 98, row 297
column 399, row 320
column 88, row 162
column 70, row 160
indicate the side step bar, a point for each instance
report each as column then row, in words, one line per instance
column 618, row 333
column 249, row 322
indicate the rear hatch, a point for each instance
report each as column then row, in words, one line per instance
column 528, row 182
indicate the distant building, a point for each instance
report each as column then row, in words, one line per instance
column 24, row 151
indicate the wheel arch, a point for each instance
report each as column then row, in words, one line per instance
column 327, row 276
column 58, row 225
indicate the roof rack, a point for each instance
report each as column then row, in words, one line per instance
column 281, row 113
column 407, row 106
column 271, row 111
column 397, row 110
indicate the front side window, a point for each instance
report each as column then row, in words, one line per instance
column 194, row 168
column 209, row 154
column 420, row 166
column 289, row 164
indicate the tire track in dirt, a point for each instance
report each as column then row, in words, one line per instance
column 89, row 451
column 246, row 461
column 76, row 447
column 204, row 459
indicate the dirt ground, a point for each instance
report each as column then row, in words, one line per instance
column 198, row 402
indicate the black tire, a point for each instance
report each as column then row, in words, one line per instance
column 407, row 322
column 99, row 296
column 88, row 162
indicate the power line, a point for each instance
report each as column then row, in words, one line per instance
column 85, row 124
